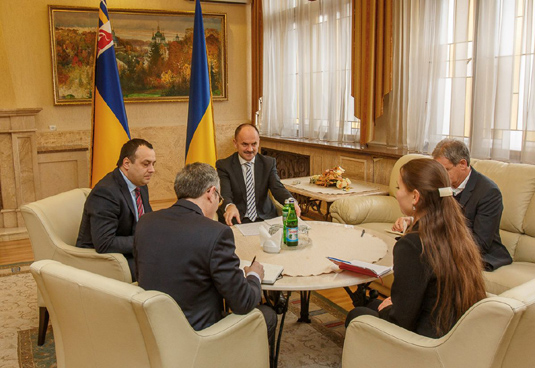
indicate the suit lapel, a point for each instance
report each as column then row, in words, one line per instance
column 238, row 174
column 145, row 198
column 470, row 185
column 124, row 191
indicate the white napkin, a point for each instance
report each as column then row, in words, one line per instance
column 264, row 234
column 270, row 244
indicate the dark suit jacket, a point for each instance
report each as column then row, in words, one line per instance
column 109, row 218
column 181, row 252
column 265, row 176
column 481, row 201
column 414, row 291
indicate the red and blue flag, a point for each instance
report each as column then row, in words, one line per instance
column 110, row 125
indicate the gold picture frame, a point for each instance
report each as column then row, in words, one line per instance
column 153, row 51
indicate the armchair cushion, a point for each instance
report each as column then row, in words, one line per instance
column 365, row 210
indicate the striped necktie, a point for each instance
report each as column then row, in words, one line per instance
column 139, row 203
column 249, row 186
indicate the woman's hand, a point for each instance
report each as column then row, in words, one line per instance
column 385, row 303
column 402, row 224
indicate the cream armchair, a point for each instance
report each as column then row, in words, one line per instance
column 101, row 322
column 496, row 332
column 53, row 224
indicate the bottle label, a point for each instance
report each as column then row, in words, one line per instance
column 292, row 235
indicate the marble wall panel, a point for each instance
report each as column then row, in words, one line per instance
column 7, row 173
column 24, row 153
column 169, row 143
column 316, row 165
column 18, row 163
column 382, row 169
column 63, row 171
column 58, row 177
column 358, row 165
column 10, row 219
column 355, row 168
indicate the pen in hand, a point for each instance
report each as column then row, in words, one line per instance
column 254, row 259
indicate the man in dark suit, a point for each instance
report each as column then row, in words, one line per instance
column 181, row 251
column 480, row 199
column 241, row 205
column 115, row 204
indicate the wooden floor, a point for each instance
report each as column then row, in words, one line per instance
column 17, row 251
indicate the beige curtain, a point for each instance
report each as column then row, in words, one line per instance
column 372, row 61
column 257, row 50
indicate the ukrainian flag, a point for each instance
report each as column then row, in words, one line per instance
column 110, row 126
column 200, row 138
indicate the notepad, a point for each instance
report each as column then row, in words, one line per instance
column 272, row 272
column 365, row 268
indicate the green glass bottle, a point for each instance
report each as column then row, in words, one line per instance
column 292, row 228
column 285, row 210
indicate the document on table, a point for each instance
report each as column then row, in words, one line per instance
column 251, row 229
column 272, row 272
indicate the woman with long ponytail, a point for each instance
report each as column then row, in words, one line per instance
column 437, row 265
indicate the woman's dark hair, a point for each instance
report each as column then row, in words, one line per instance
column 447, row 243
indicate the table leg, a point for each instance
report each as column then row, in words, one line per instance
column 275, row 361
column 328, row 212
column 305, row 303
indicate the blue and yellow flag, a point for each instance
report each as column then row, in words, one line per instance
column 110, row 126
column 200, row 138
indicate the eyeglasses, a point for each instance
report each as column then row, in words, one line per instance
column 221, row 199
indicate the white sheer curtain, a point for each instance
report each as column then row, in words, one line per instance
column 432, row 60
column 504, row 90
column 448, row 86
column 307, row 70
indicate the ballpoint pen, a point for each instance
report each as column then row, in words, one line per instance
column 252, row 261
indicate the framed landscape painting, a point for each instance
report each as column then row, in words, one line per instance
column 152, row 48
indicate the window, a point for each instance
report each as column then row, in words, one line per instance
column 307, row 70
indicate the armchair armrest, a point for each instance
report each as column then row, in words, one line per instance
column 112, row 265
column 249, row 332
column 234, row 341
column 361, row 210
column 373, row 342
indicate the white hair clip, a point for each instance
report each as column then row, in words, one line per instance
column 445, row 192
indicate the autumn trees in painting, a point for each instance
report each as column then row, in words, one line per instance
column 155, row 65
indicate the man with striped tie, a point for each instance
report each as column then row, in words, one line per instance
column 115, row 204
column 246, row 176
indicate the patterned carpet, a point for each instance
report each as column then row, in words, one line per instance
column 18, row 310
column 318, row 344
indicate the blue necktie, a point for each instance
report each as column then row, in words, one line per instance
column 249, row 186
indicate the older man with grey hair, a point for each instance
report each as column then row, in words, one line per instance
column 480, row 199
column 181, row 251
